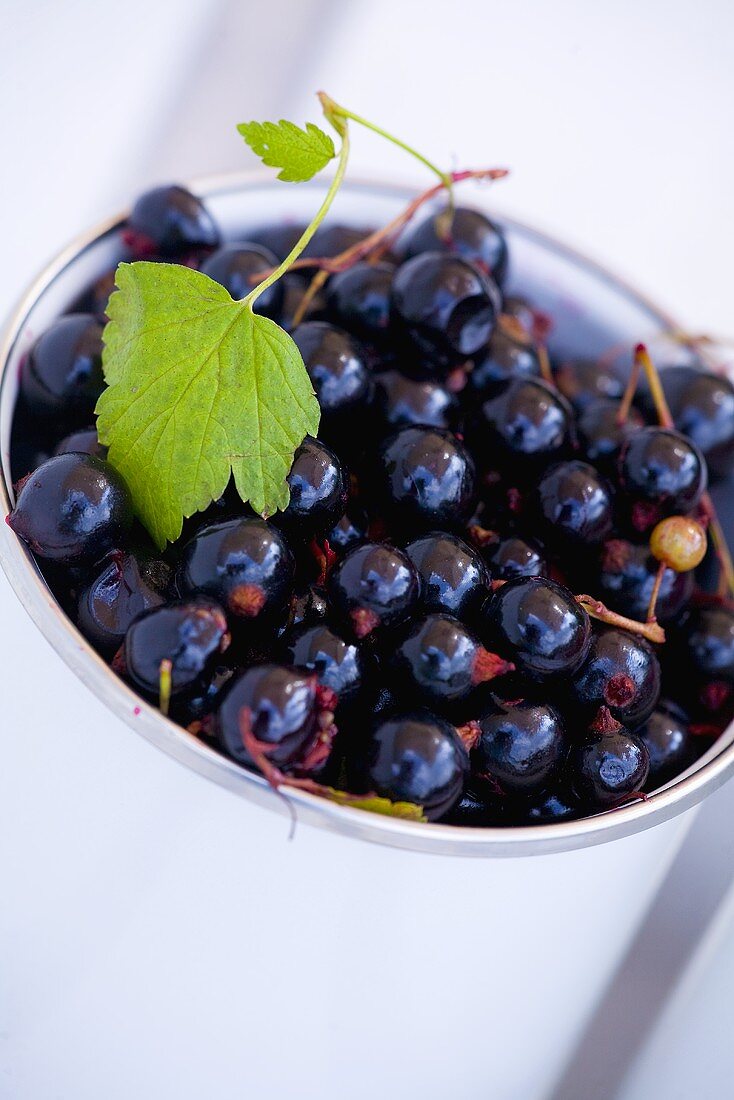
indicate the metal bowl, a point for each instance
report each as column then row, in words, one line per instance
column 596, row 313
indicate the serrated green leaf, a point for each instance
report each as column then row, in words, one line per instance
column 198, row 386
column 406, row 810
column 300, row 154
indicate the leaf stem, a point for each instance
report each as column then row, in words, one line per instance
column 333, row 109
column 308, row 233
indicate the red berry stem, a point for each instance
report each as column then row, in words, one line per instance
column 629, row 393
column 642, row 359
column 652, row 631
column 655, row 592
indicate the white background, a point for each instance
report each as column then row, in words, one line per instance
column 615, row 120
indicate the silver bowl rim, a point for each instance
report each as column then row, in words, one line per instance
column 710, row 772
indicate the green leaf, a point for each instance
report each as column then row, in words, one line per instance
column 198, row 385
column 406, row 810
column 300, row 154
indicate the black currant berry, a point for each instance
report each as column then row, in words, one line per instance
column 425, row 477
column 359, row 299
column 504, row 361
column 446, row 307
column 61, row 377
column 169, row 221
column 585, row 381
column 399, row 401
column 608, row 766
column 339, row 664
column 73, row 509
column 467, row 233
column 285, row 711
column 453, row 575
column 547, row 808
column 319, row 489
column 627, row 577
column 128, row 584
column 415, row 757
column 661, row 469
column 234, row 266
column 705, row 643
column 527, row 425
column 349, row 530
column 191, row 635
column 520, row 747
column 373, row 586
column 601, row 436
column 538, row 625
column 622, row 673
column 479, row 810
column 337, row 369
column 512, row 556
column 245, row 564
column 440, row 662
column 702, row 405
column 85, row 442
column 667, row 739
column 574, row 505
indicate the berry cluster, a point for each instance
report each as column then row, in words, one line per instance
column 463, row 604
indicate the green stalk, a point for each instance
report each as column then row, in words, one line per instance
column 308, row 233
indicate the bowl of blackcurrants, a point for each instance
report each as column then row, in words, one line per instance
column 496, row 609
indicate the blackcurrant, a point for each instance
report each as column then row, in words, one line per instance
column 440, row 662
column 61, row 377
column 234, row 265
column 399, row 401
column 661, row 469
column 608, row 766
column 620, row 672
column 85, row 441
column 425, row 477
column 626, row 579
column 444, row 306
column 574, row 505
column 73, row 509
column 337, row 369
column 415, row 757
column 666, row 737
column 585, row 381
column 128, row 583
column 359, row 299
column 319, row 489
column 702, row 404
column 453, row 575
column 373, row 586
column 339, row 664
column 601, row 436
column 520, row 747
column 512, row 556
column 705, row 643
column 169, row 221
column 503, row 361
column 349, row 530
column 467, row 233
column 191, row 634
column 527, row 425
column 245, row 564
column 547, row 808
column 538, row 625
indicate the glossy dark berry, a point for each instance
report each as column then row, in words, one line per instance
column 359, row 298
column 660, row 467
column 319, row 489
column 349, row 530
column 705, row 641
column 336, row 367
column 425, row 477
column 702, row 405
column 453, row 575
column 585, row 382
column 308, row 606
column 338, row 663
column 191, row 635
column 233, row 266
column 295, row 284
column 608, row 767
column 399, row 401
column 626, row 579
column 468, row 233
column 61, row 377
column 169, row 221
column 547, row 808
column 373, row 586
column 520, row 747
column 73, row 509
column 199, row 707
column 279, row 706
column 85, row 441
column 446, row 307
column 245, row 564
column 513, row 556
column 539, row 625
column 527, row 425
column 620, row 672
column 415, row 757
column 667, row 739
column 127, row 584
column 601, row 436
column 574, row 505
column 479, row 809
column 503, row 361
column 440, row 662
